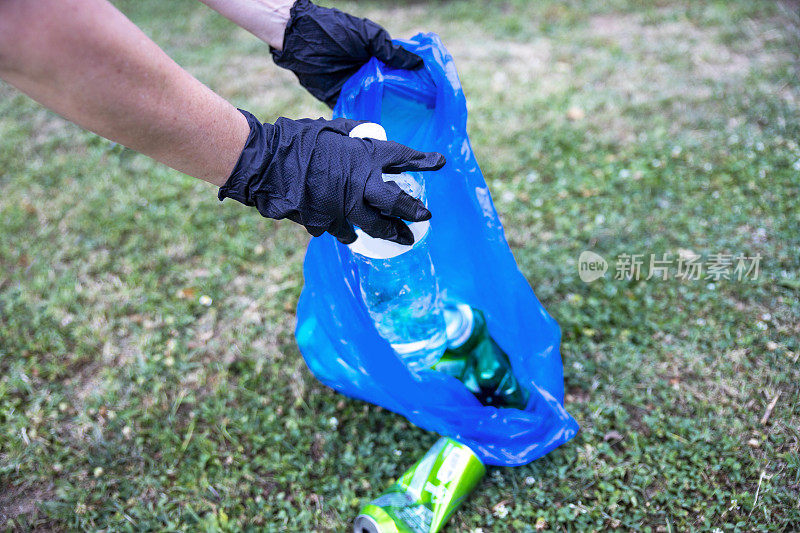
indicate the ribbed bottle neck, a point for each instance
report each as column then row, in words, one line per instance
column 460, row 321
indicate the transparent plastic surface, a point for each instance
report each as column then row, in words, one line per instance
column 426, row 109
column 399, row 288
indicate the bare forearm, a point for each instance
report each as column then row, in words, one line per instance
column 86, row 61
column 266, row 19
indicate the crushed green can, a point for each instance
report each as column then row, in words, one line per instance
column 425, row 496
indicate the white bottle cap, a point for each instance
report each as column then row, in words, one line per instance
column 370, row 246
column 369, row 130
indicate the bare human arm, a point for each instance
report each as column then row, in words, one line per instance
column 321, row 45
column 266, row 19
column 86, row 61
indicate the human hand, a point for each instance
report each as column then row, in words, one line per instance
column 324, row 47
column 312, row 173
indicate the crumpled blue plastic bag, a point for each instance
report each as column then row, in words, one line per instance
column 426, row 110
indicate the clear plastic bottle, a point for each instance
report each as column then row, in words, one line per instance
column 398, row 283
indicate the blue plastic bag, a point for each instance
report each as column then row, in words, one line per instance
column 426, row 110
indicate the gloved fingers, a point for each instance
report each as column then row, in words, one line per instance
column 381, row 46
column 395, row 158
column 344, row 125
column 391, row 200
column 329, row 100
column 381, row 227
column 315, row 231
column 402, row 58
column 343, row 231
column 339, row 125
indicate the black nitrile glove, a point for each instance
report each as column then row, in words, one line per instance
column 312, row 173
column 324, row 47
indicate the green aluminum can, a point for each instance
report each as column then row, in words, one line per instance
column 425, row 496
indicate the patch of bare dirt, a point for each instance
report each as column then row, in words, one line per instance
column 20, row 501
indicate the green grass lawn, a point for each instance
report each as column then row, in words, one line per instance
column 127, row 404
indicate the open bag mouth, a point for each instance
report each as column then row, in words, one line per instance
column 417, row 85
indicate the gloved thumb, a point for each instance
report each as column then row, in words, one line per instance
column 399, row 57
column 390, row 53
